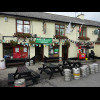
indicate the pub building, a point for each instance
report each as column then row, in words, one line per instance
column 25, row 35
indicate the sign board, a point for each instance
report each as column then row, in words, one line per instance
column 56, row 50
column 44, row 41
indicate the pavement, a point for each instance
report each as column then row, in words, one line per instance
column 93, row 80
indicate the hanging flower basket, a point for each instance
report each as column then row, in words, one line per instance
column 84, row 38
column 23, row 35
column 13, row 43
column 67, row 43
column 31, row 42
column 98, row 39
column 60, row 37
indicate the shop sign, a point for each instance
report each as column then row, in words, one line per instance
column 44, row 41
column 56, row 50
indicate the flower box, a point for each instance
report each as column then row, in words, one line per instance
column 84, row 38
column 60, row 37
column 23, row 35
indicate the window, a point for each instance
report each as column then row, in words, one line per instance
column 53, row 51
column 23, row 26
column 60, row 30
column 83, row 32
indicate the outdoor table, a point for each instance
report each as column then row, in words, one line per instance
column 22, row 72
column 74, row 63
column 53, row 69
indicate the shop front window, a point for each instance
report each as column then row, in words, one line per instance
column 53, row 51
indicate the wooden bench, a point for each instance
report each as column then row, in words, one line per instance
column 13, row 62
column 46, row 71
column 10, row 79
column 34, row 76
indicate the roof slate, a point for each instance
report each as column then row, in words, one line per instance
column 52, row 17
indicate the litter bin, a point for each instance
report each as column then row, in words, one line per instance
column 2, row 63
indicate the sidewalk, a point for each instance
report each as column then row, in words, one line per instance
column 56, row 81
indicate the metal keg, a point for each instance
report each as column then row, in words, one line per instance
column 20, row 83
column 84, row 71
column 27, row 64
column 92, row 69
column 76, row 73
column 96, row 67
column 67, row 74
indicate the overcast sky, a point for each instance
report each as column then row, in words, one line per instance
column 88, row 15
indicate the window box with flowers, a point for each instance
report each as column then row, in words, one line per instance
column 60, row 37
column 23, row 35
column 98, row 41
column 83, row 38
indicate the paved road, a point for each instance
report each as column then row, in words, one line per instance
column 56, row 81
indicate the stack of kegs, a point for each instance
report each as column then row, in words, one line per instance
column 92, row 68
column 84, row 70
column 67, row 73
column 76, row 73
column 20, row 83
column 96, row 67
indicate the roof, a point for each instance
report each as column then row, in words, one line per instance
column 52, row 17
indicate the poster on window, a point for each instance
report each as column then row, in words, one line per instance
column 56, row 51
column 16, row 49
column 25, row 49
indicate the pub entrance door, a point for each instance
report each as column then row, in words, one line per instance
column 65, row 52
column 39, row 53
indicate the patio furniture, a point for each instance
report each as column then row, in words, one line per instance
column 24, row 72
column 10, row 78
column 50, row 69
column 74, row 63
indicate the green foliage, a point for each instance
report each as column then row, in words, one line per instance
column 67, row 43
column 13, row 43
column 31, row 42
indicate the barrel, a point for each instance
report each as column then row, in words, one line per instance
column 67, row 74
column 76, row 73
column 20, row 83
column 92, row 69
column 96, row 67
column 84, row 70
column 27, row 64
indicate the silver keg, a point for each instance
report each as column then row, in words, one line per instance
column 96, row 67
column 20, row 83
column 84, row 71
column 76, row 73
column 92, row 69
column 67, row 74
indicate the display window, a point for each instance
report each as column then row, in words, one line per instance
column 53, row 51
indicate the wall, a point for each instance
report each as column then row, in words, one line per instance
column 9, row 28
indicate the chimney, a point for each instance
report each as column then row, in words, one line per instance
column 81, row 16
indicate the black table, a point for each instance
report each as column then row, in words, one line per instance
column 74, row 63
column 24, row 72
column 51, row 69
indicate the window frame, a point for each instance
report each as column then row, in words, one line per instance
column 22, row 25
column 53, row 50
column 83, row 31
column 60, row 29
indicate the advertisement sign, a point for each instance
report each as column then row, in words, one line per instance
column 44, row 41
